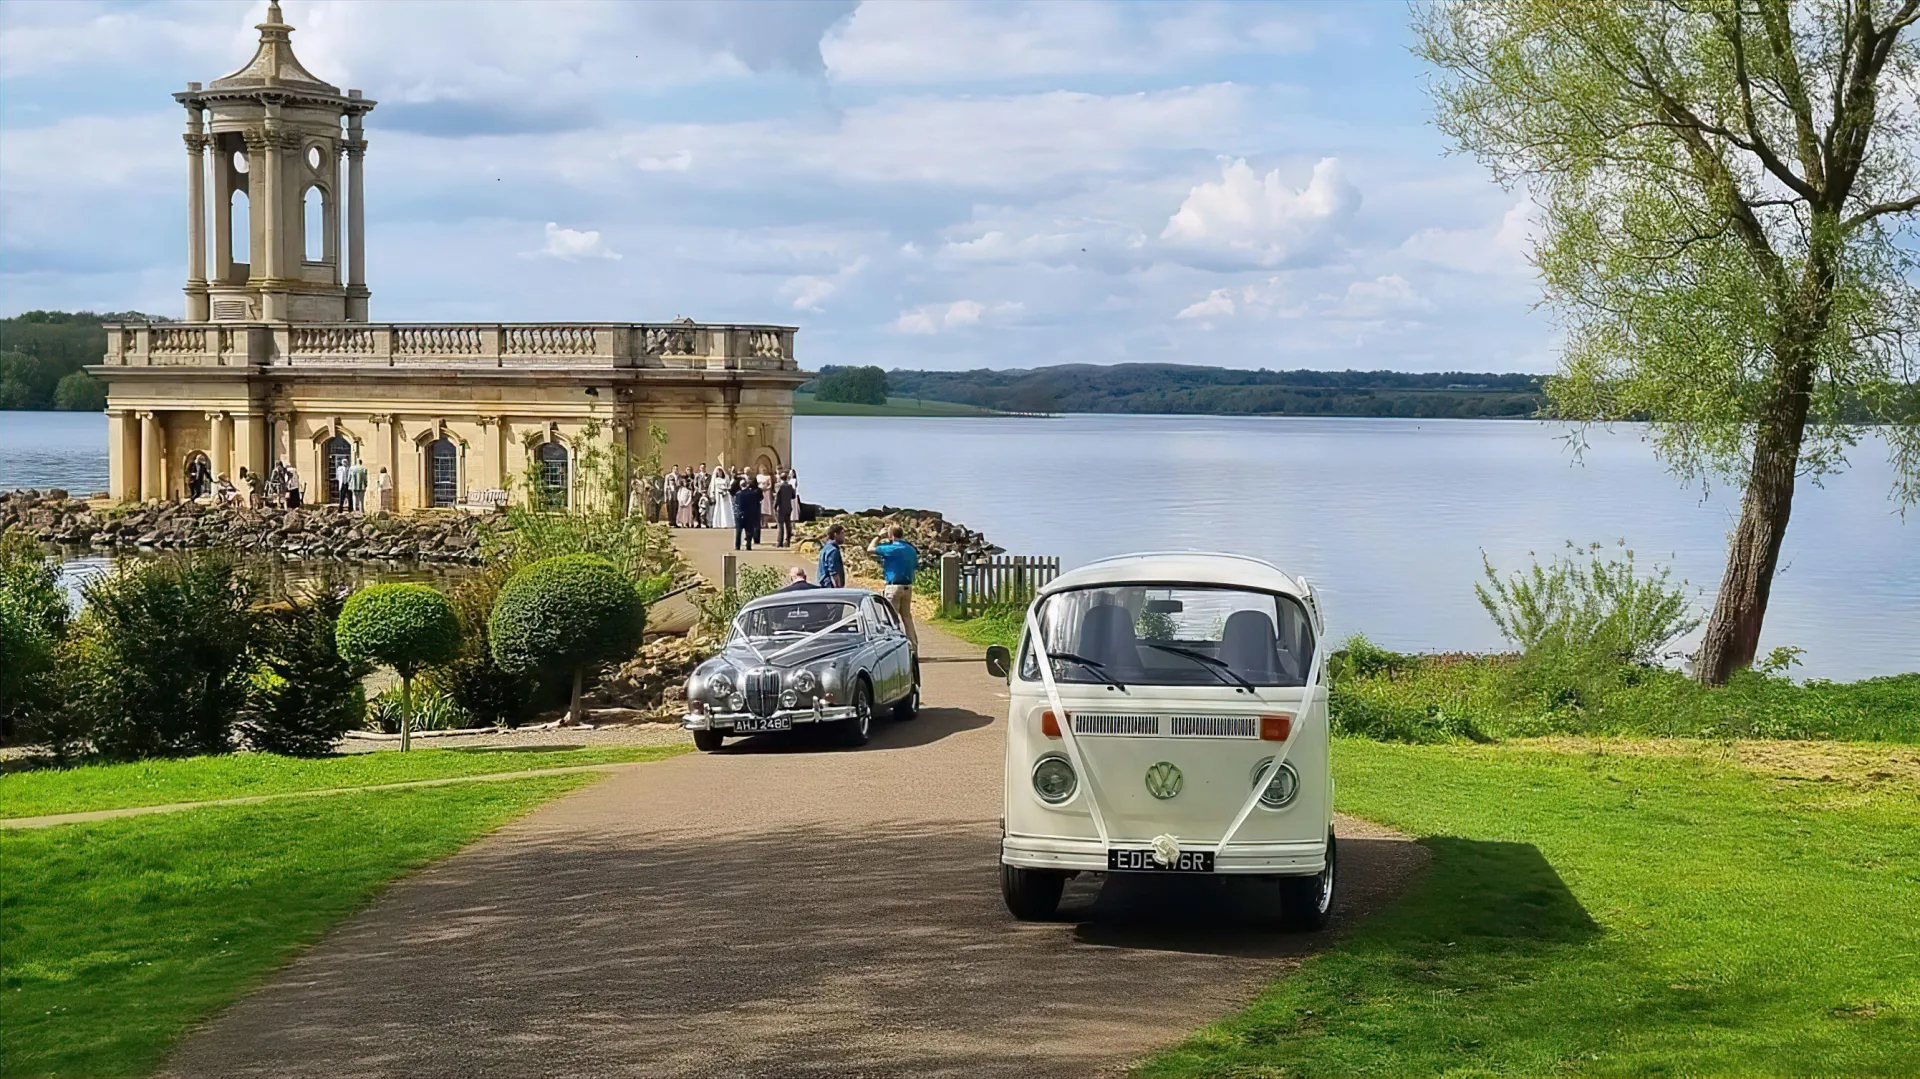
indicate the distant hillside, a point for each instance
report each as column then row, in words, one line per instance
column 1177, row 388
column 41, row 353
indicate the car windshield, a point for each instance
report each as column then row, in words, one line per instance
column 798, row 618
column 1174, row 635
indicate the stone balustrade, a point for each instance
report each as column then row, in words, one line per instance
column 442, row 345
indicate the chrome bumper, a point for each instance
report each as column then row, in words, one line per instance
column 724, row 721
column 1304, row 857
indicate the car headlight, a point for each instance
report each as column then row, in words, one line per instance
column 1053, row 779
column 805, row 681
column 736, row 702
column 721, row 683
column 1282, row 788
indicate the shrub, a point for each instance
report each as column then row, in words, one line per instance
column 567, row 613
column 474, row 680
column 305, row 695
column 403, row 626
column 1603, row 606
column 717, row 607
column 33, row 621
column 431, row 710
column 158, row 659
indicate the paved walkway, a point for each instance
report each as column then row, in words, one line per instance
column 779, row 909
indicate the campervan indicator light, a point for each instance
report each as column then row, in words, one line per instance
column 1049, row 724
column 1275, row 728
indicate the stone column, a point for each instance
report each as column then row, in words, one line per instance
column 249, row 446
column 123, row 456
column 150, row 462
column 493, row 458
column 259, row 202
column 356, row 147
column 196, row 213
column 273, row 240
column 217, row 445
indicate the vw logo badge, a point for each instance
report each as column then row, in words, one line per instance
column 1164, row 780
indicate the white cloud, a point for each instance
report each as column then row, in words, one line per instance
column 937, row 317
column 1218, row 303
column 572, row 245
column 1380, row 298
column 808, row 291
column 1497, row 250
column 678, row 161
column 1261, row 220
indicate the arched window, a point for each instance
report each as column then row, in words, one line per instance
column 314, row 214
column 239, row 229
column 335, row 454
column 443, row 463
column 553, row 474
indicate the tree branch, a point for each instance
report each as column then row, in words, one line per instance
column 1900, row 206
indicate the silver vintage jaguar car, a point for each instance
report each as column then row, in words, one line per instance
column 813, row 655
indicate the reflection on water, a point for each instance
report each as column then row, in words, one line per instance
column 278, row 576
column 1388, row 517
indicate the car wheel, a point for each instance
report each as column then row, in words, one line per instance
column 1032, row 895
column 708, row 741
column 909, row 705
column 1306, row 903
column 856, row 731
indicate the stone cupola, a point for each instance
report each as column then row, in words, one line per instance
column 272, row 134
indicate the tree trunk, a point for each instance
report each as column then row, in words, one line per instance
column 573, row 706
column 1753, row 551
column 406, row 713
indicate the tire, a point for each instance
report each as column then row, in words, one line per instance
column 909, row 705
column 708, row 741
column 856, row 731
column 1306, row 903
column 1032, row 895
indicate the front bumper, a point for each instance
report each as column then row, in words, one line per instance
column 724, row 721
column 1300, row 857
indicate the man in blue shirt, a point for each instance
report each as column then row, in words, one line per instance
column 833, row 569
column 899, row 561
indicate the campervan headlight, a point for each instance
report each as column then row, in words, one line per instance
column 1053, row 779
column 1282, row 788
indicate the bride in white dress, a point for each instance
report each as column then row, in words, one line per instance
column 720, row 497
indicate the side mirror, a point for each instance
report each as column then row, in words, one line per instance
column 999, row 660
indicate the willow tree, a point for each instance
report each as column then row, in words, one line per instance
column 1727, row 192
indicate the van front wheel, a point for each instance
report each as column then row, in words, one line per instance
column 1032, row 895
column 1306, row 903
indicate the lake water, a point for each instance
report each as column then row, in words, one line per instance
column 1389, row 517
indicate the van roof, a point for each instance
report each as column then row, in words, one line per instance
column 1186, row 567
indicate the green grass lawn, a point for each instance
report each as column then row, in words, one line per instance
column 196, row 779
column 804, row 404
column 1647, row 908
column 116, row 937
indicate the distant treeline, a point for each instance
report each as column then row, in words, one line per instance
column 1178, row 388
column 41, row 353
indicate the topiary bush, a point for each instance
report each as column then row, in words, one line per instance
column 566, row 614
column 403, row 626
column 475, row 680
column 305, row 695
column 33, row 621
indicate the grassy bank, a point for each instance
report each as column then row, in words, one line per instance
column 196, row 779
column 119, row 936
column 804, row 404
column 1614, row 907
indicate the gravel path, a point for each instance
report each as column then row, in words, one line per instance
column 778, row 909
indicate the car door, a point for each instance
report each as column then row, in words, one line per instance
column 889, row 645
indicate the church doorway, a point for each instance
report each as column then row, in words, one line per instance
column 443, row 464
column 335, row 453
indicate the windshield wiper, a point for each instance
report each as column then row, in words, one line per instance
column 1218, row 666
column 1098, row 668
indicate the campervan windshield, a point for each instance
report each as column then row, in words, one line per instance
column 1173, row 635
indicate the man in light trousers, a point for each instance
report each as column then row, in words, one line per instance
column 899, row 561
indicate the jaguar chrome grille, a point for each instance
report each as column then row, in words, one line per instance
column 1213, row 726
column 1097, row 723
column 763, row 692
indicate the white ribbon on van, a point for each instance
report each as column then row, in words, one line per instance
column 1079, row 761
column 1311, row 683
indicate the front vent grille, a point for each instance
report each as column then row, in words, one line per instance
column 763, row 692
column 1111, row 724
column 1214, row 726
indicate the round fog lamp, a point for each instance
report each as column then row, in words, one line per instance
column 736, row 702
column 1053, row 779
column 789, row 699
column 1282, row 788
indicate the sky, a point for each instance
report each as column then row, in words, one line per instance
column 923, row 185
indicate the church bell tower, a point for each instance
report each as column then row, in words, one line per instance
column 269, row 138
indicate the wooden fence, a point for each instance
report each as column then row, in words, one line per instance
column 971, row 587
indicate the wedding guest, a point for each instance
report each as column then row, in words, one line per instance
column 357, row 486
column 720, row 488
column 833, row 566
column 383, row 490
column 746, row 516
column 783, row 503
column 899, row 563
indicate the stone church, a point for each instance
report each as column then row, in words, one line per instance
column 277, row 361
